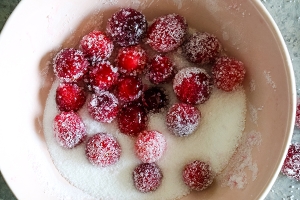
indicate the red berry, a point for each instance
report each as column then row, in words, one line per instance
column 129, row 88
column 197, row 175
column 69, row 96
column 69, row 129
column 127, row 27
column 202, row 48
column 131, row 60
column 161, row 69
column 150, row 146
column 183, row 119
column 192, row 85
column 103, row 107
column 297, row 122
column 167, row 33
column 155, row 99
column 291, row 165
column 228, row 73
column 96, row 46
column 103, row 76
column 147, row 177
column 102, row 149
column 132, row 119
column 70, row 65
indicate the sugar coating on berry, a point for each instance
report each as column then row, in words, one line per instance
column 147, row 177
column 150, row 146
column 167, row 32
column 103, row 107
column 132, row 119
column 183, row 119
column 161, row 69
column 297, row 121
column 69, row 129
column 202, row 48
column 129, row 88
column 198, row 175
column 155, row 99
column 96, row 46
column 69, row 97
column 192, row 85
column 131, row 60
column 103, row 149
column 70, row 65
column 103, row 76
column 291, row 165
column 228, row 73
column 127, row 27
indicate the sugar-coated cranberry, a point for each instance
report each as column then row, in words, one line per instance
column 297, row 121
column 202, row 48
column 167, row 32
column 127, row 27
column 161, row 69
column 131, row 60
column 198, row 175
column 155, row 99
column 147, row 177
column 69, row 129
column 132, row 119
column 103, row 76
column 192, row 85
column 103, row 149
column 228, row 73
column 103, row 107
column 70, row 65
column 291, row 165
column 150, row 146
column 129, row 88
column 183, row 119
column 69, row 96
column 96, row 46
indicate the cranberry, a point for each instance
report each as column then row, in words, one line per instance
column 147, row 177
column 150, row 146
column 228, row 73
column 69, row 96
column 197, row 175
column 69, row 129
column 102, row 149
column 127, row 27
column 103, row 107
column 161, row 69
column 192, row 85
column 155, row 99
column 167, row 33
column 291, row 165
column 70, row 65
column 202, row 48
column 297, row 122
column 129, row 88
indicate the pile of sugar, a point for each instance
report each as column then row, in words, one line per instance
column 215, row 141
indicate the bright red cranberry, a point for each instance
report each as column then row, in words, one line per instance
column 132, row 119
column 297, row 122
column 103, row 76
column 228, row 73
column 183, row 119
column 150, row 146
column 96, row 46
column 161, row 69
column 202, row 48
column 291, row 165
column 103, row 149
column 198, row 175
column 167, row 33
column 69, row 129
column 129, row 88
column 192, row 85
column 127, row 27
column 147, row 177
column 70, row 65
column 103, row 107
column 155, row 99
column 131, row 60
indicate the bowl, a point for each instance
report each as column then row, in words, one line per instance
column 37, row 29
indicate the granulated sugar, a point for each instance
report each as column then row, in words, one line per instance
column 214, row 142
